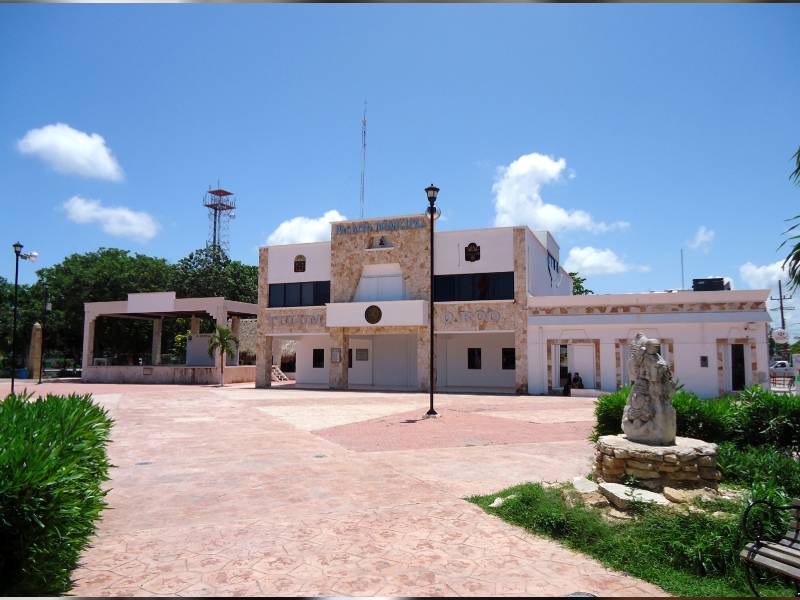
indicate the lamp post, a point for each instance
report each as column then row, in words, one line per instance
column 431, row 191
column 31, row 257
column 45, row 308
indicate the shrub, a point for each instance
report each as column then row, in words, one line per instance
column 753, row 417
column 608, row 413
column 52, row 462
column 772, row 473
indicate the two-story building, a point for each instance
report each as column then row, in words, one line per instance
column 505, row 317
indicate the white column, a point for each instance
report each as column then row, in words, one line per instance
column 88, row 340
column 155, row 349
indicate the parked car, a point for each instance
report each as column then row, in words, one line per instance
column 781, row 368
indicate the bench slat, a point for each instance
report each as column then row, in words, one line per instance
column 773, row 565
column 778, row 552
column 791, row 540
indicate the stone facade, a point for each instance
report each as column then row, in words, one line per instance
column 689, row 463
column 648, row 308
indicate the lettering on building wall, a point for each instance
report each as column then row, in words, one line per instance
column 471, row 316
column 276, row 320
column 386, row 225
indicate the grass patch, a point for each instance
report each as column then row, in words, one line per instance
column 52, row 463
column 684, row 554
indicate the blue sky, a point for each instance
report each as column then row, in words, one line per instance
column 625, row 128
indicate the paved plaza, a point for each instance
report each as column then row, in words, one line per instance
column 238, row 491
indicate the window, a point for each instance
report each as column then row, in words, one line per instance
column 349, row 358
column 552, row 263
column 292, row 294
column 306, row 293
column 362, row 354
column 474, row 286
column 704, row 361
column 299, row 264
column 472, row 252
column 473, row 358
column 319, row 358
column 509, row 359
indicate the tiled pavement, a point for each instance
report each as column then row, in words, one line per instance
column 230, row 492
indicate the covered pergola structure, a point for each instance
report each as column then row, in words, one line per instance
column 199, row 368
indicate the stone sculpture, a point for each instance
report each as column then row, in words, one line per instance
column 649, row 417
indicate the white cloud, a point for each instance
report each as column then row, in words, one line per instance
column 702, row 239
column 596, row 261
column 114, row 220
column 767, row 277
column 304, row 229
column 68, row 150
column 518, row 200
column 762, row 276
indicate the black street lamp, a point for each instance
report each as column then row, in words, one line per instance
column 432, row 191
column 31, row 257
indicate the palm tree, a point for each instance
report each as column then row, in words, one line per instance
column 223, row 340
column 793, row 259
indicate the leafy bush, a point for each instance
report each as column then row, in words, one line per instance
column 52, row 462
column 608, row 413
column 753, row 417
column 772, row 474
column 691, row 554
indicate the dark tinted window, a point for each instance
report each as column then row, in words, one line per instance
column 292, row 294
column 307, row 293
column 319, row 358
column 349, row 358
column 473, row 358
column 509, row 359
column 444, row 288
column 276, row 294
column 503, row 286
column 322, row 292
column 474, row 286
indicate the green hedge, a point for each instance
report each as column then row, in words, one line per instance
column 753, row 417
column 52, row 463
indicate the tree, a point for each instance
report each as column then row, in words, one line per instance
column 223, row 340
column 209, row 272
column 578, row 287
column 793, row 258
column 103, row 275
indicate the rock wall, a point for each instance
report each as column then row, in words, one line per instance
column 689, row 463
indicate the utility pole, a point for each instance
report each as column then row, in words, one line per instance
column 783, row 308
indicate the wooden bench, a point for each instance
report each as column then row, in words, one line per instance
column 781, row 557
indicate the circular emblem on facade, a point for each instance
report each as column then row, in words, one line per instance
column 373, row 314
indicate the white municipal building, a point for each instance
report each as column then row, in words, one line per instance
column 505, row 316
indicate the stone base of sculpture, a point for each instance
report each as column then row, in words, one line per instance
column 659, row 428
column 687, row 463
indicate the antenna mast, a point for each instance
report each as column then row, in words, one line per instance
column 363, row 154
column 221, row 205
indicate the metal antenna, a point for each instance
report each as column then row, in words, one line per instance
column 683, row 286
column 363, row 154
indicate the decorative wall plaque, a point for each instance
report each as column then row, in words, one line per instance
column 373, row 314
column 472, row 252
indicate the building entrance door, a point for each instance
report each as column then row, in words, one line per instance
column 581, row 360
column 359, row 362
column 737, row 367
